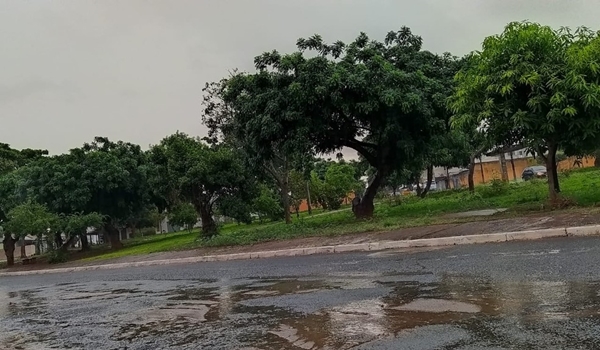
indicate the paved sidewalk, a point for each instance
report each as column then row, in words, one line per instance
column 568, row 223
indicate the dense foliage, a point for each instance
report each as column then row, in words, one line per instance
column 404, row 111
column 535, row 86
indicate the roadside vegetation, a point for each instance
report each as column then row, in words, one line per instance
column 581, row 187
column 404, row 110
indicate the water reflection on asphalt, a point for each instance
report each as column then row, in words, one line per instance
column 408, row 311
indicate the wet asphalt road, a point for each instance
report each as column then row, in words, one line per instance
column 535, row 295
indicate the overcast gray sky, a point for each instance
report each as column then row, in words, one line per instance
column 134, row 69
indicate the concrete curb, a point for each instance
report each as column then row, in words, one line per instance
column 580, row 231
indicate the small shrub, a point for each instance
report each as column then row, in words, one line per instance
column 496, row 187
column 58, row 256
column 472, row 196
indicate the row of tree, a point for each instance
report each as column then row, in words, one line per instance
column 116, row 185
column 401, row 108
column 404, row 109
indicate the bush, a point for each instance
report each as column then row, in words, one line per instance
column 58, row 256
column 496, row 187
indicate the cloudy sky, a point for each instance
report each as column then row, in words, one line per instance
column 134, row 69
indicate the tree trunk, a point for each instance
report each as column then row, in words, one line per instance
column 85, row 244
column 448, row 178
column 555, row 173
column 209, row 226
column 23, row 251
column 58, row 241
column 503, row 170
column 38, row 245
column 308, row 203
column 472, row 174
column 366, row 207
column 419, row 190
column 114, row 236
column 394, row 189
column 512, row 163
column 481, row 169
column 9, row 249
column 550, row 170
column 65, row 246
column 429, row 181
column 132, row 227
column 285, row 198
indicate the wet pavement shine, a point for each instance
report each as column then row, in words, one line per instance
column 535, row 295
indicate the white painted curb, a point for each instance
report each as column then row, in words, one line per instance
column 580, row 231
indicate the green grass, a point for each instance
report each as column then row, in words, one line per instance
column 581, row 186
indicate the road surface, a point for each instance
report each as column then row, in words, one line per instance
column 534, row 295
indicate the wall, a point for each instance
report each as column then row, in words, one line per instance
column 570, row 163
column 304, row 204
column 491, row 170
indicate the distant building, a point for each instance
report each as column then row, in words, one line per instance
column 488, row 168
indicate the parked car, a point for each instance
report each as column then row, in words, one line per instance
column 538, row 172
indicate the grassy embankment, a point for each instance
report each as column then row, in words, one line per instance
column 582, row 186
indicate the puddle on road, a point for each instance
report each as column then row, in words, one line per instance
column 257, row 314
column 437, row 306
column 286, row 287
column 457, row 301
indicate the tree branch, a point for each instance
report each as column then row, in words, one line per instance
column 361, row 147
column 268, row 166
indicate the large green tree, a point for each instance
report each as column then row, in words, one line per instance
column 373, row 97
column 104, row 177
column 274, row 160
column 28, row 219
column 535, row 86
column 13, row 175
column 186, row 169
column 14, row 189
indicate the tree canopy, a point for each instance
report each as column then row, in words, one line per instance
column 105, row 177
column 30, row 218
column 374, row 97
column 535, row 86
column 273, row 159
column 186, row 169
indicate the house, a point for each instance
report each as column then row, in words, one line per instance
column 458, row 178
